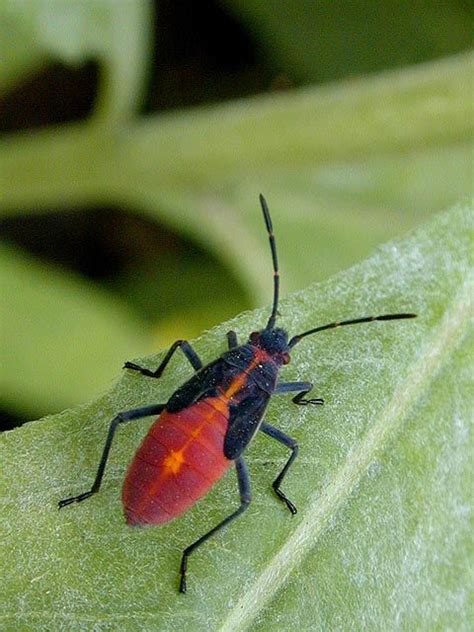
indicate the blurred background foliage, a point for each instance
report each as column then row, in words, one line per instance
column 136, row 136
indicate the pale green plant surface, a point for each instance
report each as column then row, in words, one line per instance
column 383, row 481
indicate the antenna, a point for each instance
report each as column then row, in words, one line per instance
column 276, row 275
column 343, row 323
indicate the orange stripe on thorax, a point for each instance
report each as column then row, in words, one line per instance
column 241, row 379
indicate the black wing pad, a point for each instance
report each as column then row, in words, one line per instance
column 244, row 421
column 202, row 384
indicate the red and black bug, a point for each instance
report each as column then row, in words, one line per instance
column 207, row 424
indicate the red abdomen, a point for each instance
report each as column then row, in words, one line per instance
column 179, row 461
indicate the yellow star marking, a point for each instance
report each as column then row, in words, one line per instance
column 174, row 461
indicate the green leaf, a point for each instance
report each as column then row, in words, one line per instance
column 358, row 161
column 52, row 324
column 117, row 34
column 316, row 41
column 382, row 482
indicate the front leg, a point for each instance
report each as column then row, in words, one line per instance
column 303, row 388
column 186, row 348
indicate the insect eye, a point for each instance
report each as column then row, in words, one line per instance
column 254, row 336
column 286, row 358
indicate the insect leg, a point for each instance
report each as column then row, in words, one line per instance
column 186, row 348
column 303, row 387
column 245, row 498
column 232, row 339
column 128, row 415
column 274, row 433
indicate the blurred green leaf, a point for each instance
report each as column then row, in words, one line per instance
column 117, row 34
column 324, row 40
column 329, row 159
column 383, row 481
column 182, row 295
column 344, row 167
column 62, row 339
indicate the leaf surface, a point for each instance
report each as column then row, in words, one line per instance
column 382, row 482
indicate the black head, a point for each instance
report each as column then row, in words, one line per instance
column 274, row 342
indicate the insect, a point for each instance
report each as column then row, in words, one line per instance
column 208, row 422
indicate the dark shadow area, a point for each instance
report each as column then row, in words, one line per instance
column 58, row 94
column 202, row 54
